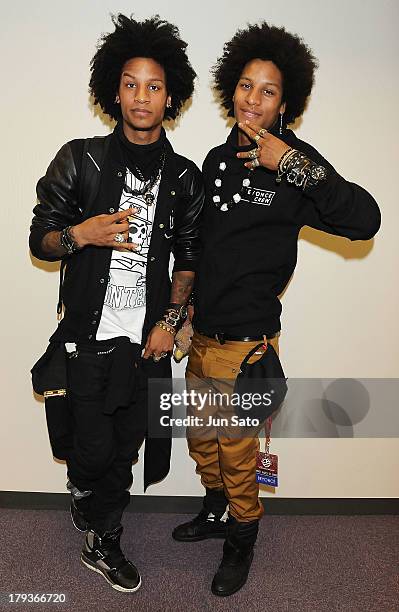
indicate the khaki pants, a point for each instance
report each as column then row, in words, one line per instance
column 224, row 459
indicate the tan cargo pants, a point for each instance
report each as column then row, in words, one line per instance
column 225, row 459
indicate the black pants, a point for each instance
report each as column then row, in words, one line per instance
column 104, row 444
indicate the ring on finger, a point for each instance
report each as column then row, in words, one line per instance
column 257, row 137
column 253, row 153
column 164, row 355
column 262, row 132
column 157, row 358
column 119, row 237
column 255, row 163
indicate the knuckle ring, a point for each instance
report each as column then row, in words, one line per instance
column 119, row 237
column 253, row 153
column 262, row 132
column 257, row 137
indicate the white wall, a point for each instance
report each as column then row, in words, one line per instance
column 340, row 310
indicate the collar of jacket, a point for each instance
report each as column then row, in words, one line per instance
column 112, row 182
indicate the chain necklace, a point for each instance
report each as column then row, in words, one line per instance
column 146, row 190
column 225, row 206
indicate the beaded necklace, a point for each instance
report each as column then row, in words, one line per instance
column 225, row 206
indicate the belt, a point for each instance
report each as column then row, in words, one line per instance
column 222, row 337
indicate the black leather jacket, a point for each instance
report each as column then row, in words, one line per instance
column 64, row 198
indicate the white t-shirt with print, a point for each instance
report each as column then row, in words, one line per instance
column 125, row 300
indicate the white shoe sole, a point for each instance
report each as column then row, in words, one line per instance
column 114, row 586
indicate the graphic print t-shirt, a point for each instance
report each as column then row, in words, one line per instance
column 125, row 300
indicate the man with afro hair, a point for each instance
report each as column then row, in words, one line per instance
column 112, row 209
column 261, row 186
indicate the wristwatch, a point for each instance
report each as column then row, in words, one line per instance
column 316, row 174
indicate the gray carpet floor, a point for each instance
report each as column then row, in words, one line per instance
column 302, row 564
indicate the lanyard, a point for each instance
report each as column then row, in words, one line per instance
column 268, row 428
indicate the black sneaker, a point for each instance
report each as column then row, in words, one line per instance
column 238, row 553
column 104, row 556
column 205, row 525
column 78, row 520
column 233, row 570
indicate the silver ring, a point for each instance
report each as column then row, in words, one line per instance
column 253, row 153
column 119, row 237
column 257, row 137
column 164, row 355
column 255, row 163
column 156, row 358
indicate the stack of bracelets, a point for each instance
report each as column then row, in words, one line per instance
column 299, row 169
column 67, row 241
column 173, row 318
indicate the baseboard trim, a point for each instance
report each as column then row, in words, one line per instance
column 171, row 504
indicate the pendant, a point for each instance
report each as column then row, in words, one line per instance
column 149, row 198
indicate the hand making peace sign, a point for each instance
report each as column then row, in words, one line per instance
column 269, row 148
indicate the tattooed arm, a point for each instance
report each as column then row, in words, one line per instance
column 160, row 341
column 182, row 285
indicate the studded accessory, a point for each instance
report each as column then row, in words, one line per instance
column 257, row 137
column 166, row 327
column 119, row 237
column 67, row 241
column 262, row 132
column 253, row 153
column 255, row 163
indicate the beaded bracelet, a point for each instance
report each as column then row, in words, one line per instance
column 166, row 327
column 67, row 241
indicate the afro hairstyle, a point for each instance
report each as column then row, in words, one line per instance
column 287, row 51
column 152, row 38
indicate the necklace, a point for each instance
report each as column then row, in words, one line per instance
column 146, row 190
column 235, row 199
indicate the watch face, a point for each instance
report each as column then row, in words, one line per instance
column 318, row 173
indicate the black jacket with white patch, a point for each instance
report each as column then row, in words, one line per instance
column 249, row 252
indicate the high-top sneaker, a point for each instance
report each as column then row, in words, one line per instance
column 209, row 523
column 79, row 503
column 237, row 557
column 103, row 555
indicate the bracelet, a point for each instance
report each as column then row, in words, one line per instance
column 175, row 315
column 282, row 162
column 67, row 242
column 300, row 170
column 166, row 327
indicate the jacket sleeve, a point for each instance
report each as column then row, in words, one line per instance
column 338, row 206
column 186, row 249
column 57, row 195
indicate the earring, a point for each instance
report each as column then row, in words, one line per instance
column 168, row 105
column 117, row 100
column 281, row 123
